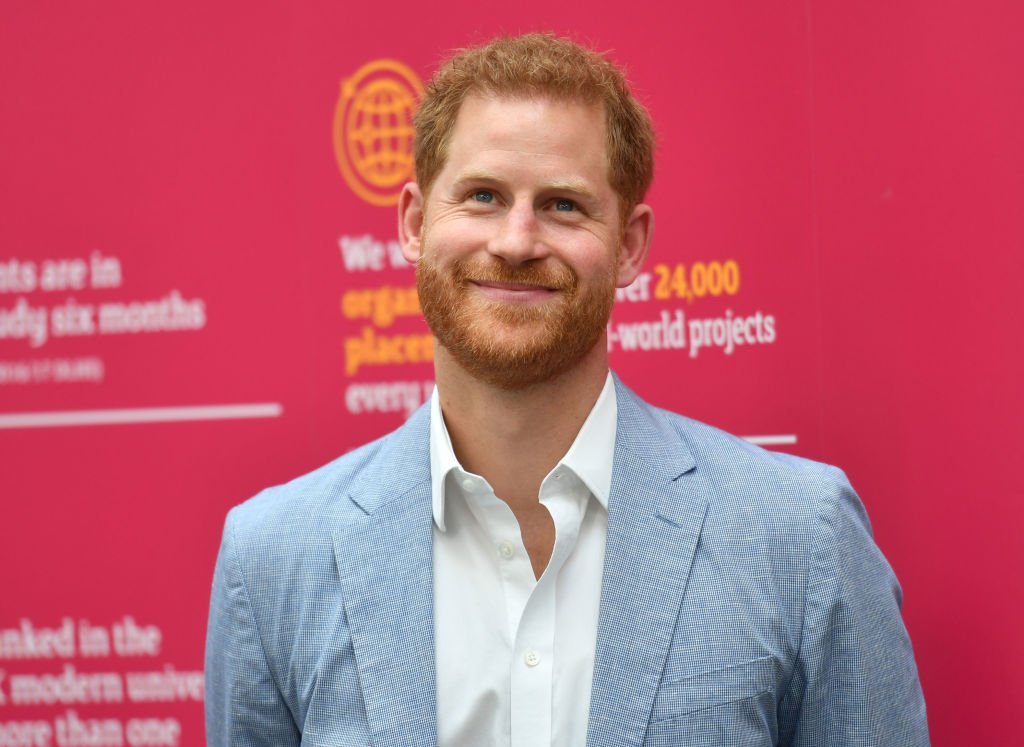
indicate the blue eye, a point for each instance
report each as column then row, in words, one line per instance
column 565, row 205
column 482, row 195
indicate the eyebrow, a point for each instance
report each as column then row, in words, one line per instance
column 574, row 186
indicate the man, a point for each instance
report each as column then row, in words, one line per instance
column 537, row 556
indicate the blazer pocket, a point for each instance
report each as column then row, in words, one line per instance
column 687, row 695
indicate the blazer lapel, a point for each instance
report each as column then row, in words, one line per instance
column 655, row 512
column 385, row 562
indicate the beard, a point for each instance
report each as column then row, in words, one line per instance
column 509, row 345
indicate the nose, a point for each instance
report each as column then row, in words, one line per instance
column 517, row 236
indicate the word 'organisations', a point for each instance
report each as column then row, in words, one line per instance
column 381, row 305
column 672, row 331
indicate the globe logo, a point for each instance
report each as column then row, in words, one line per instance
column 373, row 129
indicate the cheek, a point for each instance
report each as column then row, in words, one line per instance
column 456, row 234
column 595, row 262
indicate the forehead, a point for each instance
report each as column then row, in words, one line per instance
column 535, row 132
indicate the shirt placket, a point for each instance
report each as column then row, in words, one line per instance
column 532, row 673
column 529, row 603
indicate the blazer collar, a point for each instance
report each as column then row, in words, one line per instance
column 385, row 564
column 655, row 514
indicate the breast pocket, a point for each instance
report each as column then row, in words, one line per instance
column 732, row 705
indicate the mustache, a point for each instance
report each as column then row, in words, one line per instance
column 552, row 275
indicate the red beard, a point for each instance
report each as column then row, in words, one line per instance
column 508, row 345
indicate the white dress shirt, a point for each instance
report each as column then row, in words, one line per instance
column 515, row 655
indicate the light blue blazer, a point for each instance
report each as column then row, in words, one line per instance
column 743, row 603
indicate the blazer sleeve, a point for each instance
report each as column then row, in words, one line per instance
column 244, row 706
column 855, row 681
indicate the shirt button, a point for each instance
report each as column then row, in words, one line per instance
column 532, row 658
column 506, row 550
column 468, row 484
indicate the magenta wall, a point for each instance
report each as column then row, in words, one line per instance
column 179, row 247
column 918, row 111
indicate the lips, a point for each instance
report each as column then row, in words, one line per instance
column 513, row 292
column 549, row 278
column 513, row 287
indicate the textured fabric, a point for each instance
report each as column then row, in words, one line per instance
column 515, row 655
column 743, row 602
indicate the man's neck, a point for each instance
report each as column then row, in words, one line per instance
column 513, row 438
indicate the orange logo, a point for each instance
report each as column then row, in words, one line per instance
column 373, row 129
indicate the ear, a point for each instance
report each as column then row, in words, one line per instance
column 636, row 242
column 410, row 222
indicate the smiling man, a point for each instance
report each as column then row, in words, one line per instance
column 538, row 556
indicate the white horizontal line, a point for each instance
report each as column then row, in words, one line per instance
column 59, row 419
column 780, row 439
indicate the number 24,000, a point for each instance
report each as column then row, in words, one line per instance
column 702, row 279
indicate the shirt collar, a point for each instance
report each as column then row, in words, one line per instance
column 589, row 457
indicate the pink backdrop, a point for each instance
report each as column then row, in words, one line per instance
column 180, row 248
